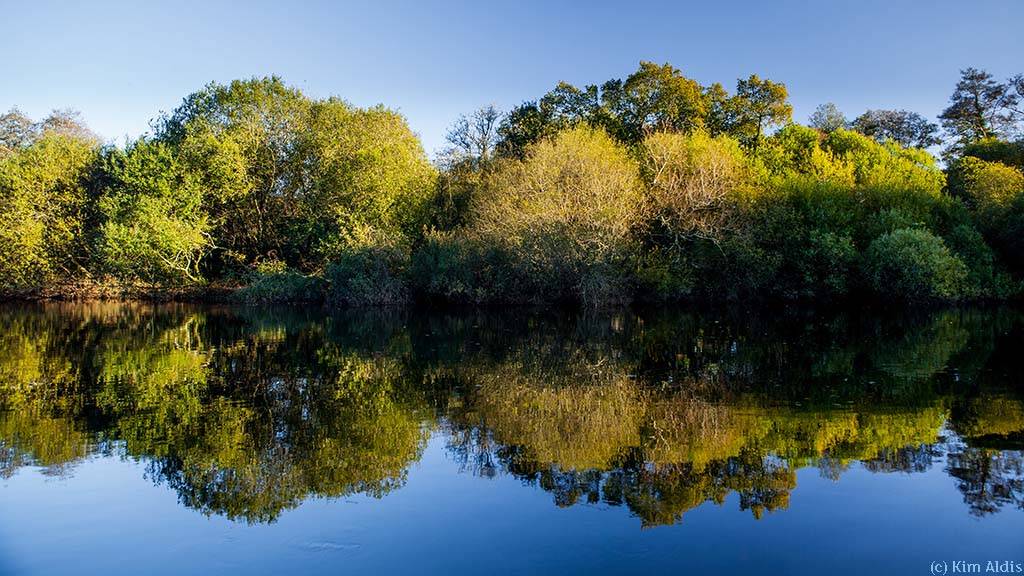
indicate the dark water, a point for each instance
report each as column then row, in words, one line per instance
column 185, row 440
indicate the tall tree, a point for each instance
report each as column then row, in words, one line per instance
column 721, row 107
column 66, row 122
column 16, row 131
column 473, row 142
column 1017, row 107
column 473, row 138
column 908, row 129
column 561, row 108
column 980, row 108
column 47, row 206
column 653, row 98
column 568, row 105
column 521, row 127
column 154, row 228
column 760, row 104
column 364, row 172
column 827, row 118
column 241, row 137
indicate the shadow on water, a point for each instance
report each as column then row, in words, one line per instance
column 247, row 412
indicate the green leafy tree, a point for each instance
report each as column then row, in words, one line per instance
column 241, row 138
column 653, row 98
column 564, row 107
column 759, row 105
column 995, row 194
column 362, row 169
column 1006, row 152
column 47, row 207
column 523, row 125
column 155, row 229
column 798, row 150
column 568, row 105
column 886, row 166
column 287, row 178
column 721, row 110
column 908, row 129
column 985, row 185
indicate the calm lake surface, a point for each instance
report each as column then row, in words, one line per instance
column 177, row 439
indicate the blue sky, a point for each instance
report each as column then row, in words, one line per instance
column 121, row 63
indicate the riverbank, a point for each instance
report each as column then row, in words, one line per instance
column 93, row 291
column 315, row 291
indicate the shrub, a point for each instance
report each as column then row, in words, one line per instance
column 690, row 179
column 440, row 269
column 982, row 279
column 992, row 150
column 826, row 264
column 886, row 221
column 369, row 271
column 819, row 205
column 914, row 265
column 458, row 269
column 272, row 281
column 1008, row 235
column 566, row 215
column 985, row 186
column 664, row 274
column 915, row 207
column 737, row 268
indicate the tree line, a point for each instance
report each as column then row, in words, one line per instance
column 651, row 188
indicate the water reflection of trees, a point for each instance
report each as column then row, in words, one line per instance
column 663, row 453
column 989, row 479
column 988, row 458
column 663, row 420
column 239, row 422
column 247, row 412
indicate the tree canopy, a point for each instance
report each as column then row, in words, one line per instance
column 649, row 187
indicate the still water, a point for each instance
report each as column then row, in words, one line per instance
column 138, row 439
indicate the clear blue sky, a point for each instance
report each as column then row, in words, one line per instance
column 121, row 63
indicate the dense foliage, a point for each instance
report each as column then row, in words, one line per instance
column 653, row 187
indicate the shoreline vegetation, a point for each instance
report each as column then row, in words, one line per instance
column 649, row 189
